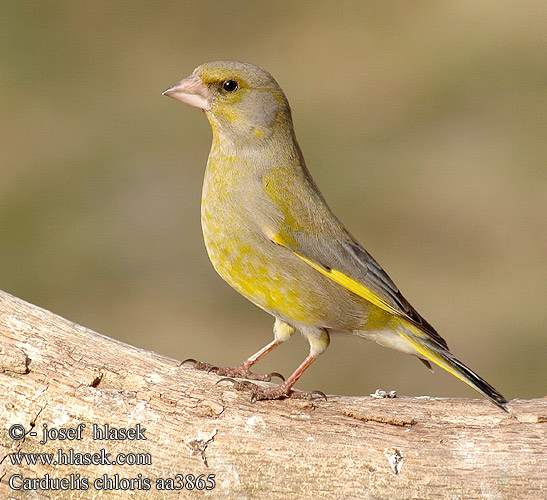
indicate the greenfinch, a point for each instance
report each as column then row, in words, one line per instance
column 271, row 235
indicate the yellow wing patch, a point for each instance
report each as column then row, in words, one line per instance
column 352, row 285
column 339, row 277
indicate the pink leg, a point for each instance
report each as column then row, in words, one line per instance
column 319, row 341
column 260, row 354
column 285, row 389
column 280, row 391
column 243, row 369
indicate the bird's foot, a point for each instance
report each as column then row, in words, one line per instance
column 282, row 391
column 240, row 371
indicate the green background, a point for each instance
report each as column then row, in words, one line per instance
column 424, row 124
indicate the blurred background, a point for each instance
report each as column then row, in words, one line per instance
column 424, row 124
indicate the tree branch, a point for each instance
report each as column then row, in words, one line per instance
column 58, row 374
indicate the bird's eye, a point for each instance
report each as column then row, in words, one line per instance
column 230, row 85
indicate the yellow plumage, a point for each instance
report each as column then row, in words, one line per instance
column 270, row 234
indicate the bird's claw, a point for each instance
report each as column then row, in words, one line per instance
column 273, row 374
column 321, row 394
column 239, row 385
column 270, row 393
column 239, row 371
column 198, row 365
column 280, row 392
column 243, row 372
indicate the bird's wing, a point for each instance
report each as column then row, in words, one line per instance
column 348, row 264
column 299, row 219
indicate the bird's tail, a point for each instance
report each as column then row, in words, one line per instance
column 434, row 352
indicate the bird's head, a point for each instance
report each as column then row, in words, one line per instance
column 242, row 101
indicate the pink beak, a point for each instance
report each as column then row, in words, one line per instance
column 192, row 91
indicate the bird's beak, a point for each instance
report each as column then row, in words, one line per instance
column 192, row 91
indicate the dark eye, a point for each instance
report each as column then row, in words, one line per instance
column 230, row 85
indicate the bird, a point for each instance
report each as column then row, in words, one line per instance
column 270, row 234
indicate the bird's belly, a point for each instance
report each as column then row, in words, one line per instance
column 274, row 279
column 257, row 275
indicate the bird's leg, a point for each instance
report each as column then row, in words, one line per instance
column 285, row 390
column 319, row 341
column 243, row 370
column 282, row 332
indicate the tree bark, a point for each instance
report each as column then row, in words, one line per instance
column 57, row 375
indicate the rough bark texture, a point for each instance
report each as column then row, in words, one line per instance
column 56, row 373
